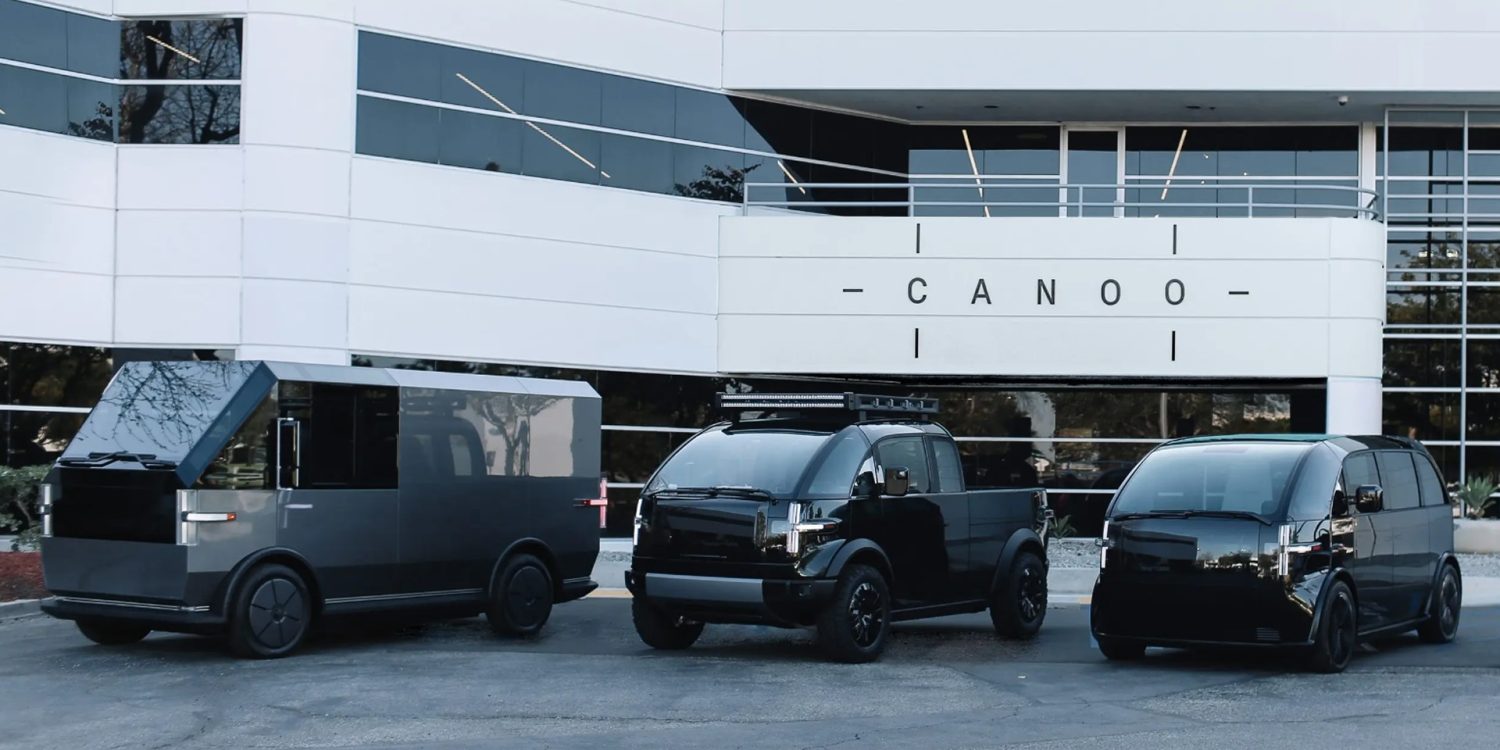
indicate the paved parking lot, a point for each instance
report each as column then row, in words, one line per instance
column 588, row 683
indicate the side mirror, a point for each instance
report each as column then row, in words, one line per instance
column 1369, row 498
column 864, row 484
column 288, row 439
column 897, row 481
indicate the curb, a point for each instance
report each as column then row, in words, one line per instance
column 21, row 608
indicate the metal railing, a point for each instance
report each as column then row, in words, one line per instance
column 1019, row 196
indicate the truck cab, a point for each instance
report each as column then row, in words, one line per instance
column 841, row 511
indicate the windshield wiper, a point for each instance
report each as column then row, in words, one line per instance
column 1191, row 514
column 97, row 459
column 716, row 490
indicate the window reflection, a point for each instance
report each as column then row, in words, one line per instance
column 57, row 39
column 477, row 141
column 180, row 114
column 559, row 153
column 181, row 50
column 397, row 130
column 32, row 99
column 710, row 174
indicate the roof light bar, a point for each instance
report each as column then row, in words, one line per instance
column 863, row 404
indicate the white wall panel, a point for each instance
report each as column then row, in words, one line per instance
column 67, row 169
column 455, row 326
column 171, row 312
column 299, row 75
column 44, row 305
column 295, row 313
column 178, row 243
column 45, row 234
column 281, row 246
column 523, row 267
column 296, row 180
column 181, row 177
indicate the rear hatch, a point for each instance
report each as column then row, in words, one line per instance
column 1187, row 577
column 720, row 528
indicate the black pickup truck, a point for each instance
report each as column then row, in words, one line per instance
column 841, row 511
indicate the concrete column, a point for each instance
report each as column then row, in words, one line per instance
column 1354, row 406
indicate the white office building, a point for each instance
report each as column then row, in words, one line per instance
column 1088, row 227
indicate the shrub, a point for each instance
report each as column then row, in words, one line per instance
column 20, row 497
column 1476, row 496
column 1062, row 527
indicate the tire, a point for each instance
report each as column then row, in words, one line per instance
column 853, row 628
column 1337, row 637
column 660, row 630
column 1019, row 604
column 270, row 613
column 522, row 599
column 1447, row 603
column 1115, row 649
column 107, row 633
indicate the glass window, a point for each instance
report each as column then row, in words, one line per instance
column 1484, row 362
column 35, row 438
column 35, row 100
column 1359, row 470
column 397, row 129
column 1238, row 477
column 463, row 459
column 1399, row 480
column 159, row 408
column 246, row 460
column 33, row 33
column 479, row 141
column 376, row 423
column 1421, row 305
column 93, row 45
column 91, row 109
column 636, row 164
column 835, row 477
column 1429, row 484
column 905, row 453
column 950, row 473
column 561, row 93
column 777, row 128
column 348, row 434
column 1312, row 498
column 180, row 114
column 482, row 80
column 769, row 460
column 709, row 117
column 639, row 106
column 1434, row 149
column 1422, row 362
column 707, row 173
column 392, row 65
column 1421, row 416
column 559, row 153
column 181, row 50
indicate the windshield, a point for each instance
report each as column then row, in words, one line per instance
column 726, row 457
column 158, row 409
column 1233, row 477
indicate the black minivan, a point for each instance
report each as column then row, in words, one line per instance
column 1313, row 542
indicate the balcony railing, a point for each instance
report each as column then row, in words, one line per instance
column 1023, row 196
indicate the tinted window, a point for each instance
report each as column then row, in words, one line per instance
column 639, row 106
column 1399, row 480
column 33, row 33
column 482, row 80
column 1430, row 486
column 559, row 93
column 636, row 163
column 392, row 65
column 245, row 463
column 835, row 477
column 91, row 109
column 950, row 473
column 159, row 408
column 1241, row 477
column 1317, row 480
column 479, row 141
column 907, row 453
column 177, row 50
column 760, row 459
column 33, row 99
column 397, row 130
column 708, row 118
column 559, row 153
column 180, row 114
column 1359, row 470
column 707, row 173
column 348, row 434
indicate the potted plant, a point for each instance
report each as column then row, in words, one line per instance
column 1475, row 532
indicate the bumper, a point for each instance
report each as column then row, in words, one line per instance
column 1259, row 613
column 172, row 618
column 787, row 603
column 576, row 588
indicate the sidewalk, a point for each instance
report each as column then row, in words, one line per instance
column 1064, row 585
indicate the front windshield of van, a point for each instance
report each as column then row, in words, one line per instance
column 768, row 460
column 1212, row 477
column 158, row 409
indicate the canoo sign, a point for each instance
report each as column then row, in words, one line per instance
column 1068, row 298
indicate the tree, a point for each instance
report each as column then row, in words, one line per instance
column 726, row 184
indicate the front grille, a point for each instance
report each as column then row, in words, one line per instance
column 1267, row 635
column 117, row 504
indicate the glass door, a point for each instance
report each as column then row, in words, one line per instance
column 1093, row 171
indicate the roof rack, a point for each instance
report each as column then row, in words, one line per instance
column 863, row 406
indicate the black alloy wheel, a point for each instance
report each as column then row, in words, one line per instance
column 856, row 623
column 1338, row 632
column 1447, row 605
column 1019, row 604
column 522, row 600
column 270, row 614
column 663, row 630
column 107, row 633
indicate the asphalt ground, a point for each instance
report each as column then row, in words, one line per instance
column 588, row 682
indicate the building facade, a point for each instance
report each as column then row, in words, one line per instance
column 1087, row 229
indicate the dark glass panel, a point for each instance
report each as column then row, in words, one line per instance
column 559, row 153
column 1484, row 363
column 36, row 438
column 1017, row 150
column 481, row 80
column 181, row 50
column 709, row 117
column 392, row 65
column 91, row 109
column 180, row 114
column 638, row 106
column 779, row 181
column 636, row 164
column 34, row 34
column 1484, row 251
column 633, row 456
column 1484, row 305
column 1093, row 159
column 1421, row 363
column 161, row 409
column 1483, row 412
column 246, row 460
column 776, row 128
column 47, row 375
column 1416, row 151
column 397, row 130
column 844, row 139
column 1398, row 477
column 885, row 201
column 479, row 141
column 93, row 45
column 710, row 174
column 1424, row 249
column 1424, row 416
column 1482, row 461
column 561, row 93
column 1422, row 306
column 1446, row 457
column 32, row 99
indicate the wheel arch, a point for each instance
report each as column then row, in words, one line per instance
column 1444, row 560
column 527, row 546
column 275, row 556
column 1339, row 575
column 866, row 552
column 1021, row 540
